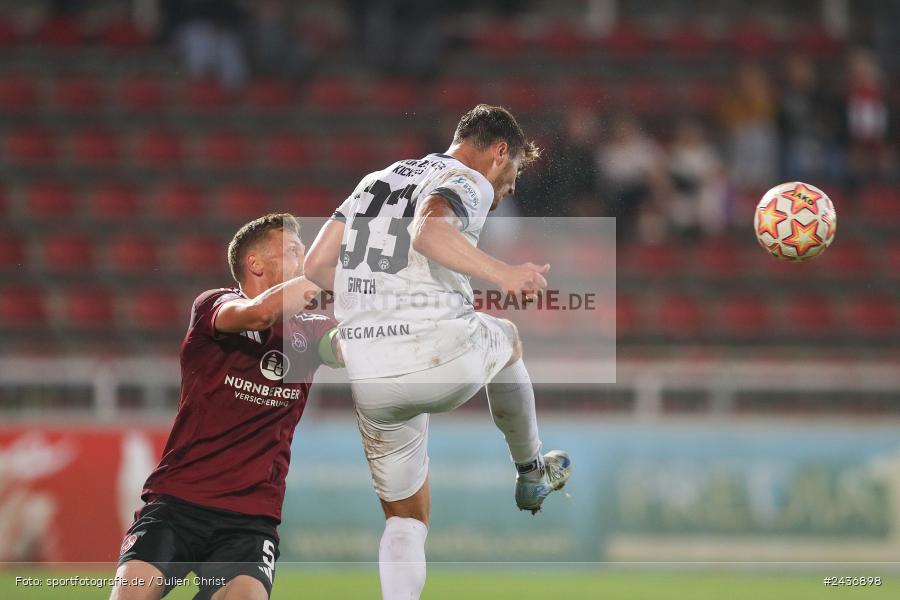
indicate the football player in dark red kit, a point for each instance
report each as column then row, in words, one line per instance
column 247, row 362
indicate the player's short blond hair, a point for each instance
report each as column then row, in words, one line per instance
column 251, row 233
column 485, row 125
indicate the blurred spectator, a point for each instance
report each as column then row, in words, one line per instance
column 698, row 201
column 276, row 50
column 748, row 114
column 207, row 34
column 401, row 37
column 870, row 156
column 805, row 124
column 632, row 175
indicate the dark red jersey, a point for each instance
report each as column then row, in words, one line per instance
column 242, row 395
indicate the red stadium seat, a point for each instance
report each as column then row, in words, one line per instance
column 22, row 307
column 114, row 202
column 654, row 260
column 141, row 94
column 526, row 96
column 702, row 95
column 679, row 316
column 499, row 39
column 269, row 95
column 350, row 151
column 9, row 34
column 123, row 34
column 97, row 148
column 809, row 315
column 647, row 97
column 455, row 96
column 133, row 254
column 720, row 258
column 18, row 93
column 30, row 147
column 626, row 316
column 312, row 201
column 223, row 149
column 12, row 253
column 742, row 315
column 881, row 203
column 158, row 149
column 752, row 40
column 68, row 252
column 88, row 308
column 891, row 258
column 204, row 95
column 156, row 309
column 628, row 40
column 286, row 151
column 395, row 96
column 243, row 202
column 49, row 200
column 585, row 94
column 201, row 255
column 177, row 202
column 562, row 39
column 689, row 40
column 872, row 315
column 332, row 95
column 60, row 32
column 847, row 259
column 816, row 42
column 78, row 94
column 406, row 146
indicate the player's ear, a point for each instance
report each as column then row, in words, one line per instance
column 501, row 151
column 253, row 263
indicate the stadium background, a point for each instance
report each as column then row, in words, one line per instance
column 754, row 418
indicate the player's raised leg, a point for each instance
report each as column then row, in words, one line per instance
column 511, row 399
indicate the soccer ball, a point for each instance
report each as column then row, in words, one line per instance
column 795, row 221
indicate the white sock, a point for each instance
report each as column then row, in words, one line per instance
column 511, row 399
column 401, row 559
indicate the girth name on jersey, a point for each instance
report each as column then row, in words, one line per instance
column 361, row 285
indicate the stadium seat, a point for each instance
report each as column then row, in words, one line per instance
column 678, row 316
column 158, row 149
column 872, row 315
column 243, row 202
column 588, row 94
column 9, row 34
column 204, row 95
column 499, row 39
column 880, row 203
column 68, row 253
column 286, row 151
column 742, row 315
column 719, row 258
column 77, row 94
column 12, row 253
column 60, row 32
column 268, row 95
column 626, row 316
column 156, row 309
column 330, row 95
column 816, row 42
column 18, row 93
column 406, row 146
column 353, row 152
column 809, row 316
column 47, row 200
column 180, row 202
column 455, row 96
column 114, row 202
column 526, row 95
column 88, row 308
column 562, row 39
column 122, row 34
column 688, row 40
column 30, row 147
column 313, row 201
column 141, row 94
column 847, row 259
column 222, row 150
column 653, row 261
column 200, row 255
column 702, row 95
column 647, row 97
column 22, row 307
column 395, row 96
column 94, row 148
column 752, row 40
column 891, row 261
column 628, row 41
column 133, row 254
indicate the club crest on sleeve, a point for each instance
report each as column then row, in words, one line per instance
column 299, row 342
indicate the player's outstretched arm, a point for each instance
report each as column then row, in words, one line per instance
column 257, row 314
column 322, row 258
column 436, row 235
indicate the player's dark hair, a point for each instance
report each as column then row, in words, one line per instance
column 253, row 232
column 485, row 125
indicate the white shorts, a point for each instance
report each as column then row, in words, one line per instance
column 392, row 412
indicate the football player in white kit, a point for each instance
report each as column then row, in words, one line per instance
column 398, row 254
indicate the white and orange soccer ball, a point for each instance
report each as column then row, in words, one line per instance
column 795, row 221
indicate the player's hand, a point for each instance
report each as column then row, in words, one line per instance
column 526, row 279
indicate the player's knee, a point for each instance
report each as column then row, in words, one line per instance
column 516, row 342
column 242, row 587
column 138, row 571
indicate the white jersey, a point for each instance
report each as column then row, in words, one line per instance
column 400, row 312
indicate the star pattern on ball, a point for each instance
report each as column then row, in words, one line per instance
column 769, row 219
column 802, row 197
column 803, row 237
